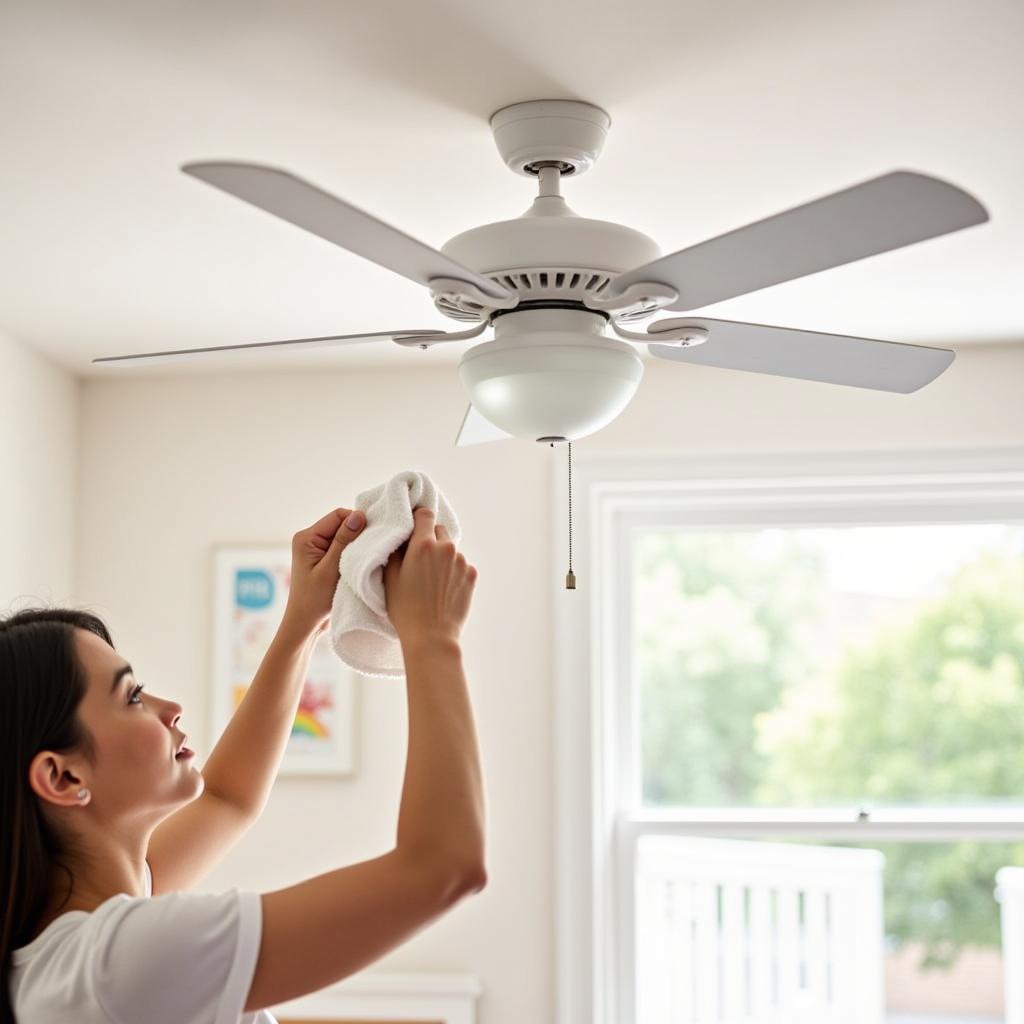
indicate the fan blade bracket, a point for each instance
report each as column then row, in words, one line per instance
column 426, row 339
column 680, row 329
column 460, row 292
column 635, row 302
column 684, row 334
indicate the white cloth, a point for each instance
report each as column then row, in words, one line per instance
column 177, row 958
column 361, row 632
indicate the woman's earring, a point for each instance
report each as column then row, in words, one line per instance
column 82, row 794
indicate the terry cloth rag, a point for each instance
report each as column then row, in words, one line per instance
column 361, row 632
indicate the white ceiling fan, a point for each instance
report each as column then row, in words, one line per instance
column 551, row 282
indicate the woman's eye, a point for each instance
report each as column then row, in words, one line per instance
column 138, row 689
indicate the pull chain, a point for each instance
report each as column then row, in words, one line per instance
column 570, row 578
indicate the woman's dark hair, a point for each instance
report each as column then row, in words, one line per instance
column 42, row 683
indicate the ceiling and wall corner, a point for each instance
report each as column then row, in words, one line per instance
column 39, row 458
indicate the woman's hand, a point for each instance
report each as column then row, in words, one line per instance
column 316, row 552
column 428, row 584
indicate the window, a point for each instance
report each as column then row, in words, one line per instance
column 788, row 716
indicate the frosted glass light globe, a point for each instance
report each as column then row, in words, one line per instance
column 550, row 373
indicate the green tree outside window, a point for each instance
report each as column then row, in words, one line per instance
column 737, row 709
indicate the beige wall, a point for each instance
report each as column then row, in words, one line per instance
column 38, row 477
column 171, row 465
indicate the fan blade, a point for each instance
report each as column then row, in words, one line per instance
column 309, row 207
column 329, row 341
column 876, row 216
column 476, row 429
column 807, row 355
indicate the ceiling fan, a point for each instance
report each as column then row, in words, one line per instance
column 551, row 282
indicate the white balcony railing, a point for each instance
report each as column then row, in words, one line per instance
column 735, row 932
column 1010, row 894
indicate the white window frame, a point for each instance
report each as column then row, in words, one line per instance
column 611, row 495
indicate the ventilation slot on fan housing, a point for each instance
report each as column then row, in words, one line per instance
column 566, row 283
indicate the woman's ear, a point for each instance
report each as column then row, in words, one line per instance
column 53, row 779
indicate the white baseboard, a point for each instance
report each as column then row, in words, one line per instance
column 390, row 995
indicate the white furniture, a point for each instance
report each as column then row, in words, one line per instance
column 736, row 932
column 1010, row 894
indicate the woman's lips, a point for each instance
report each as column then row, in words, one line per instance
column 184, row 752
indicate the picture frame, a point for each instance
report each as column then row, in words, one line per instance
column 250, row 589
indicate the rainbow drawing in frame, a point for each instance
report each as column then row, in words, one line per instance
column 250, row 588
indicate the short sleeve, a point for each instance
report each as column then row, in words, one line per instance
column 179, row 958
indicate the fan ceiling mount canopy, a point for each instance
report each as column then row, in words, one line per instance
column 552, row 283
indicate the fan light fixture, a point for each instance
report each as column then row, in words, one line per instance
column 550, row 374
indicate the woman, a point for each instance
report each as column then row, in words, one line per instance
column 99, row 812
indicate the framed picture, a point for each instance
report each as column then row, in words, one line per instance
column 250, row 591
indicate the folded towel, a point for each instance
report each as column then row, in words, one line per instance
column 361, row 632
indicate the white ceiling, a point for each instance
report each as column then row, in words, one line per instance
column 722, row 113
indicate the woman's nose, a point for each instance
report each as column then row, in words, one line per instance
column 172, row 711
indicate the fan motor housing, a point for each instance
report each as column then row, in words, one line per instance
column 548, row 253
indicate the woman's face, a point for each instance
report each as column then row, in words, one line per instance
column 136, row 735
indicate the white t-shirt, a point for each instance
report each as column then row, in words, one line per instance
column 178, row 958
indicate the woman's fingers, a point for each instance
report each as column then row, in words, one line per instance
column 422, row 523
column 327, row 527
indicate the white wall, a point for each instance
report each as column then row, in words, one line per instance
column 171, row 465
column 38, row 477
